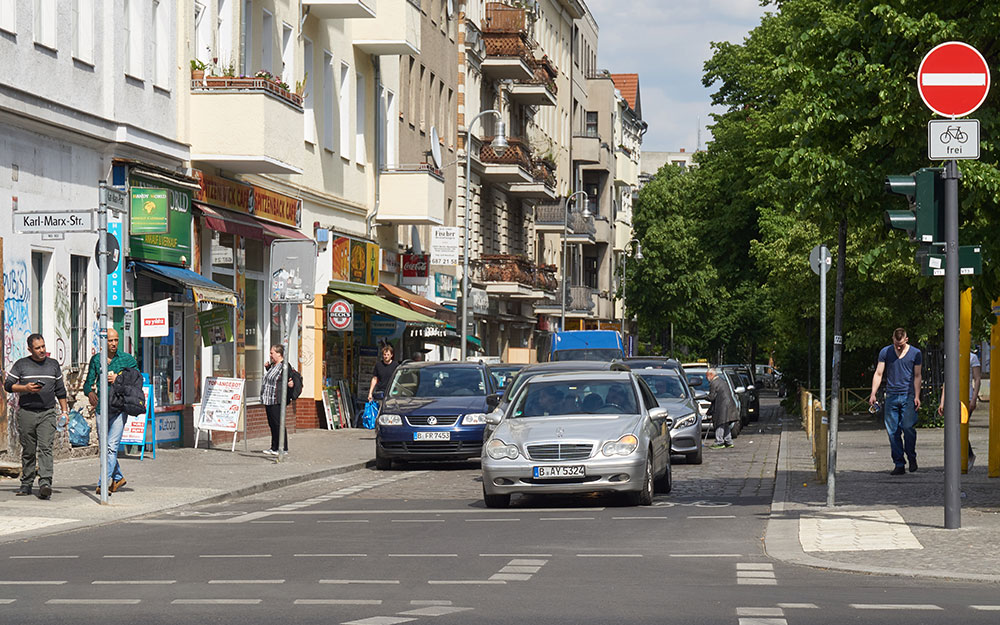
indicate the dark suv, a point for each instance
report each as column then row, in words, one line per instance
column 745, row 379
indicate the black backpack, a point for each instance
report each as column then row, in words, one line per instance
column 126, row 393
column 296, row 389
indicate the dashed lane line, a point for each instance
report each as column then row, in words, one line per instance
column 895, row 606
column 92, row 601
column 422, row 555
column 707, row 555
column 40, row 582
column 246, row 581
column 133, row 582
column 986, row 608
column 515, row 555
column 338, row 602
column 359, row 581
column 43, row 557
column 380, row 620
column 216, row 601
column 609, row 555
column 330, row 555
column 434, row 610
column 465, row 582
column 235, row 555
column 490, row 520
column 129, row 557
column 7, row 601
column 798, row 606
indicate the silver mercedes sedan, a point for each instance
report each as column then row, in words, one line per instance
column 578, row 432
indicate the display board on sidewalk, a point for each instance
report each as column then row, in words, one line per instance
column 222, row 404
column 135, row 425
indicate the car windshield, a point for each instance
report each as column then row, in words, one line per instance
column 503, row 375
column 602, row 355
column 542, row 399
column 697, row 380
column 665, row 386
column 438, row 382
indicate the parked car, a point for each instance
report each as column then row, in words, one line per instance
column 579, row 432
column 672, row 392
column 503, row 374
column 434, row 411
column 742, row 396
column 653, row 362
column 603, row 345
column 767, row 375
column 697, row 377
column 748, row 382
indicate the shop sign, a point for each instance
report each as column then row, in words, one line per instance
column 340, row 316
column 173, row 245
column 480, row 301
column 415, row 265
column 371, row 277
column 168, row 427
column 359, row 261
column 383, row 326
column 115, row 266
column 216, row 326
column 390, row 261
column 221, row 404
column 276, row 207
column 444, row 285
column 444, row 245
column 150, row 211
column 154, row 320
column 249, row 199
column 355, row 261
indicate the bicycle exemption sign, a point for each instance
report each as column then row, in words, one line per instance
column 952, row 138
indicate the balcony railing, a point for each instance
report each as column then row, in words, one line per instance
column 545, row 74
column 516, row 268
column 510, row 45
column 501, row 18
column 580, row 299
column 550, row 214
column 544, row 171
column 580, row 224
column 245, row 84
column 517, row 153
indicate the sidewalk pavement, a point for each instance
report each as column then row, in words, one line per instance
column 178, row 477
column 884, row 524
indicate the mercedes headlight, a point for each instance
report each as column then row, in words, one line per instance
column 498, row 450
column 390, row 419
column 475, row 418
column 686, row 421
column 621, row 447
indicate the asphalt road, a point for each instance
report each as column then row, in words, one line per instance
column 416, row 545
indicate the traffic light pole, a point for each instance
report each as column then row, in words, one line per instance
column 952, row 404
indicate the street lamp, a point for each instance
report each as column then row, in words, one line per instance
column 638, row 256
column 499, row 145
column 585, row 213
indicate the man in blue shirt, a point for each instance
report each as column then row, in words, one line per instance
column 900, row 364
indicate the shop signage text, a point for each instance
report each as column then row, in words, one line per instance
column 340, row 316
column 415, row 265
column 249, row 199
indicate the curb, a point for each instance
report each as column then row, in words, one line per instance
column 781, row 539
column 245, row 491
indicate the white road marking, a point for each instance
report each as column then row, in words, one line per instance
column 520, row 569
column 359, row 581
column 272, row 522
column 137, row 556
column 430, row 602
column 609, row 555
column 379, row 620
column 986, row 608
column 706, row 555
column 755, row 574
column 763, row 621
column 338, row 602
column 490, row 520
column 512, row 577
column 31, row 583
column 43, row 557
column 434, row 610
column 798, row 606
column 566, row 518
column 515, row 555
column 894, row 606
column 640, row 518
column 216, row 601
column 527, row 562
column 759, row 612
column 331, row 555
column 444, row 582
column 92, row 601
column 7, row 601
column 757, row 582
column 237, row 555
column 472, row 511
column 418, row 521
column 423, row 555
column 134, row 582
column 713, row 516
column 754, row 566
column 246, row 581
column 345, row 521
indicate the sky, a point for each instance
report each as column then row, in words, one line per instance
column 667, row 43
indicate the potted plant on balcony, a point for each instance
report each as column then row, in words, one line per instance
column 197, row 69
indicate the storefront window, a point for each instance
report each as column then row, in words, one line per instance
column 167, row 362
column 255, row 348
column 223, row 354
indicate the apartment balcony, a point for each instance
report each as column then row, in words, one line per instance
column 395, row 31
column 602, row 230
column 581, row 229
column 513, row 166
column 543, row 184
column 516, row 277
column 587, row 148
column 340, row 9
column 581, row 301
column 626, row 169
column 412, row 195
column 540, row 89
column 246, row 125
column 550, row 217
column 508, row 46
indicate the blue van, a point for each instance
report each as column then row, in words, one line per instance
column 602, row 345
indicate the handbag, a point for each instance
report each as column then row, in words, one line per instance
column 371, row 414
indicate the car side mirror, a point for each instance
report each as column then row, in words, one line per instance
column 378, row 395
column 741, row 389
column 493, row 400
column 658, row 413
column 751, row 387
column 494, row 418
column 701, row 395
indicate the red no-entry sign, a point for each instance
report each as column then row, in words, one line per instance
column 953, row 79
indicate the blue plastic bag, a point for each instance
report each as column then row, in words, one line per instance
column 371, row 413
column 79, row 430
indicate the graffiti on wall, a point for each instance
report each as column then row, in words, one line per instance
column 17, row 311
column 61, row 351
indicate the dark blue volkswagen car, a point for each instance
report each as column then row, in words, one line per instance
column 434, row 411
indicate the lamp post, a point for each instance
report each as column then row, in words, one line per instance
column 565, row 278
column 638, row 256
column 499, row 145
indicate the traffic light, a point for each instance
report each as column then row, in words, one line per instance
column 924, row 189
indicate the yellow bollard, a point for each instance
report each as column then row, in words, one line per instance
column 964, row 340
column 822, row 443
column 994, row 446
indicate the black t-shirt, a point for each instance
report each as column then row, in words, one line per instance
column 383, row 373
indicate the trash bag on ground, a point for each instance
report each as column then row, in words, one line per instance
column 371, row 413
column 79, row 429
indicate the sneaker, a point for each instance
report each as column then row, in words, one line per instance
column 898, row 471
column 718, row 446
column 730, row 445
column 44, row 491
column 116, row 484
column 269, row 452
column 913, row 465
column 22, row 491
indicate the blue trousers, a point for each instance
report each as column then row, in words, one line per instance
column 901, row 425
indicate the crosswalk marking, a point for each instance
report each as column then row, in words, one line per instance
column 433, row 610
column 798, row 606
column 895, row 606
column 986, row 608
column 759, row 612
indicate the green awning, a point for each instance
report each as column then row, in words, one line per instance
column 386, row 307
column 472, row 339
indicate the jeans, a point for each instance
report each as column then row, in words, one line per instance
column 724, row 434
column 37, row 429
column 274, row 423
column 116, row 427
column 901, row 425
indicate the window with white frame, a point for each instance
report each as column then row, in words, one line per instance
column 223, row 34
column 329, row 101
column 287, row 55
column 161, row 44
column 247, row 52
column 345, row 110
column 266, row 49
column 389, row 135
column 8, row 16
column 45, row 23
column 309, row 130
column 361, row 119
column 132, row 23
column 83, row 30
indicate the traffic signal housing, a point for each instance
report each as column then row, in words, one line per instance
column 924, row 221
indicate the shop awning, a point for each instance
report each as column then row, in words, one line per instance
column 448, row 337
column 386, row 307
column 421, row 304
column 231, row 223
column 274, row 231
column 203, row 289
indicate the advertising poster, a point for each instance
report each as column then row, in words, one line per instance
column 216, row 326
column 221, row 404
column 150, row 211
column 444, row 285
column 444, row 245
column 371, row 277
column 135, row 425
column 359, row 261
column 116, row 268
column 341, row 247
column 367, row 357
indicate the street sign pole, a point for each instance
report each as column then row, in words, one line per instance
column 102, row 298
column 290, row 321
column 952, row 404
